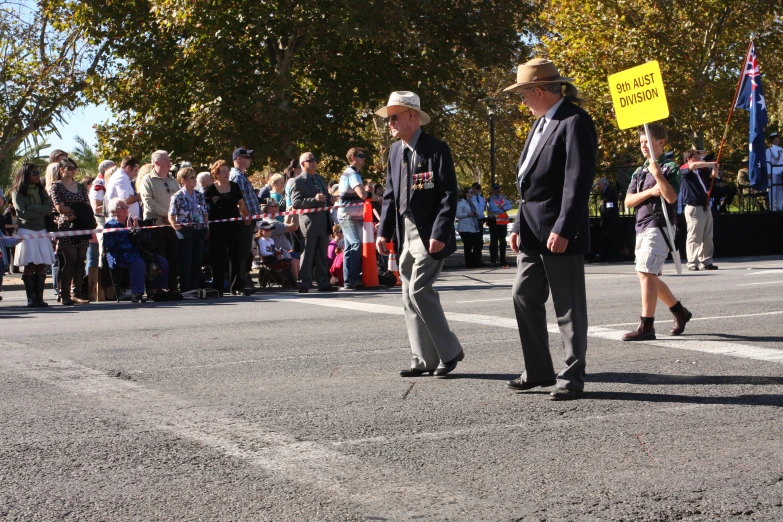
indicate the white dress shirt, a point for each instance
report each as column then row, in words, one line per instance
column 120, row 186
column 534, row 139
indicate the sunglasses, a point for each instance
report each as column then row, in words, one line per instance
column 395, row 117
column 311, row 160
column 245, row 156
column 360, row 155
column 71, row 169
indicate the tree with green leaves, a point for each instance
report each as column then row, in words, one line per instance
column 85, row 156
column 201, row 77
column 700, row 46
column 46, row 63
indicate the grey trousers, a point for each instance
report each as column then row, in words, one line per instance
column 428, row 330
column 565, row 275
column 314, row 261
column 699, row 244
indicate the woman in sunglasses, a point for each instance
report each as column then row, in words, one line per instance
column 71, row 200
column 32, row 205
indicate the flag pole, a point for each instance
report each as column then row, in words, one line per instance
column 728, row 120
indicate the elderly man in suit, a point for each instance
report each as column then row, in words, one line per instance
column 309, row 191
column 419, row 207
column 552, row 233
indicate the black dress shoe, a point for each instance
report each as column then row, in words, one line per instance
column 445, row 368
column 693, row 268
column 328, row 289
column 561, row 394
column 709, row 267
column 303, row 290
column 519, row 384
column 414, row 372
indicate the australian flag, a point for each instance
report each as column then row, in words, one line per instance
column 751, row 98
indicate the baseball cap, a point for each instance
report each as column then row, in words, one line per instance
column 240, row 152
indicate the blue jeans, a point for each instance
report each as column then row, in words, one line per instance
column 190, row 243
column 138, row 275
column 92, row 256
column 352, row 255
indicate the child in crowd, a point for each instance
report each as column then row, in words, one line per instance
column 266, row 245
column 334, row 255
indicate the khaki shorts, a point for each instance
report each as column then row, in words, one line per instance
column 651, row 251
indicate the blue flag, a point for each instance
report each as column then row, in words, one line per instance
column 751, row 98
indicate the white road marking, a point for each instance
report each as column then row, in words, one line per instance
column 764, row 283
column 713, row 347
column 395, row 492
column 775, row 271
column 701, row 318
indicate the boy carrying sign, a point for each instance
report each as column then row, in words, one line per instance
column 649, row 182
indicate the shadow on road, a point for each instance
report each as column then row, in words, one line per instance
column 656, row 378
column 757, row 338
column 740, row 400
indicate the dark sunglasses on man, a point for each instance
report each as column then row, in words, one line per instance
column 394, row 117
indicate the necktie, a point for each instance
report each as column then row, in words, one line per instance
column 318, row 187
column 404, row 181
column 532, row 147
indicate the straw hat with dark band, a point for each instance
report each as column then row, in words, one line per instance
column 537, row 71
column 406, row 99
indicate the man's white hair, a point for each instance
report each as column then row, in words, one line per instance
column 157, row 154
column 105, row 165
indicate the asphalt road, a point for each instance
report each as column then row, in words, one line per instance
column 284, row 407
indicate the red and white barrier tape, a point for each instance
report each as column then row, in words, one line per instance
column 73, row 233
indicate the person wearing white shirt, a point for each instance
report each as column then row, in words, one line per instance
column 121, row 186
column 775, row 171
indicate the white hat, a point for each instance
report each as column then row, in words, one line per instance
column 405, row 99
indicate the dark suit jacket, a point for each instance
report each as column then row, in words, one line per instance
column 555, row 190
column 434, row 209
column 303, row 196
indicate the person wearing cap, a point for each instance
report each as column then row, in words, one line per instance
column 693, row 191
column 775, row 170
column 497, row 220
column 419, row 208
column 309, row 191
column 551, row 234
column 156, row 192
column 242, row 159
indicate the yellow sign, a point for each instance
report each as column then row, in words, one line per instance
column 638, row 95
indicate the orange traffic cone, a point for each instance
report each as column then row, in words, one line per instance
column 369, row 263
column 393, row 268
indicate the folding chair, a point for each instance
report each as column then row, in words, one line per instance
column 275, row 274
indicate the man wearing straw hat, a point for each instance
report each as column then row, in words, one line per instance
column 419, row 207
column 551, row 233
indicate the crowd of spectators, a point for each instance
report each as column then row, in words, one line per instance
column 186, row 250
column 181, row 231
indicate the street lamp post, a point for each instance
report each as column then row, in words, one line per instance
column 491, row 109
